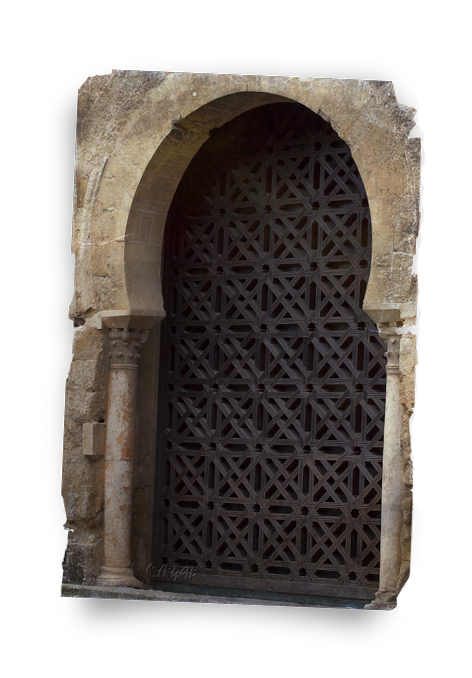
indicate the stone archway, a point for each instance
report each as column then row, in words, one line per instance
column 137, row 133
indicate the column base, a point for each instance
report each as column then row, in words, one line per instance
column 384, row 600
column 118, row 576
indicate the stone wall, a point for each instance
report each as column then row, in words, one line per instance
column 83, row 479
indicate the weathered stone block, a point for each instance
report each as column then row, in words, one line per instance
column 93, row 440
column 88, row 344
column 81, row 563
column 85, row 405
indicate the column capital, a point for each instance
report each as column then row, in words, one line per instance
column 389, row 334
column 124, row 348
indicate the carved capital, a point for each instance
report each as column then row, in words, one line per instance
column 124, row 348
column 389, row 334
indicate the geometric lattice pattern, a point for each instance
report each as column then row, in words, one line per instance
column 272, row 377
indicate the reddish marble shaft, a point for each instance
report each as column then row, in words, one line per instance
column 121, row 426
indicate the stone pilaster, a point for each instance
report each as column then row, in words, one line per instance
column 120, row 440
column 393, row 489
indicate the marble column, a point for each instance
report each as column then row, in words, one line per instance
column 393, row 489
column 120, row 442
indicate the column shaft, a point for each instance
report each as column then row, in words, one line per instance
column 120, row 439
column 119, row 466
column 393, row 490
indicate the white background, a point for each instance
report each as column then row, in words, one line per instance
column 439, row 593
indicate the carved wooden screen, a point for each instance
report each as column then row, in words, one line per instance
column 272, row 377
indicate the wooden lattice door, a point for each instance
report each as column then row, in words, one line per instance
column 272, row 378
